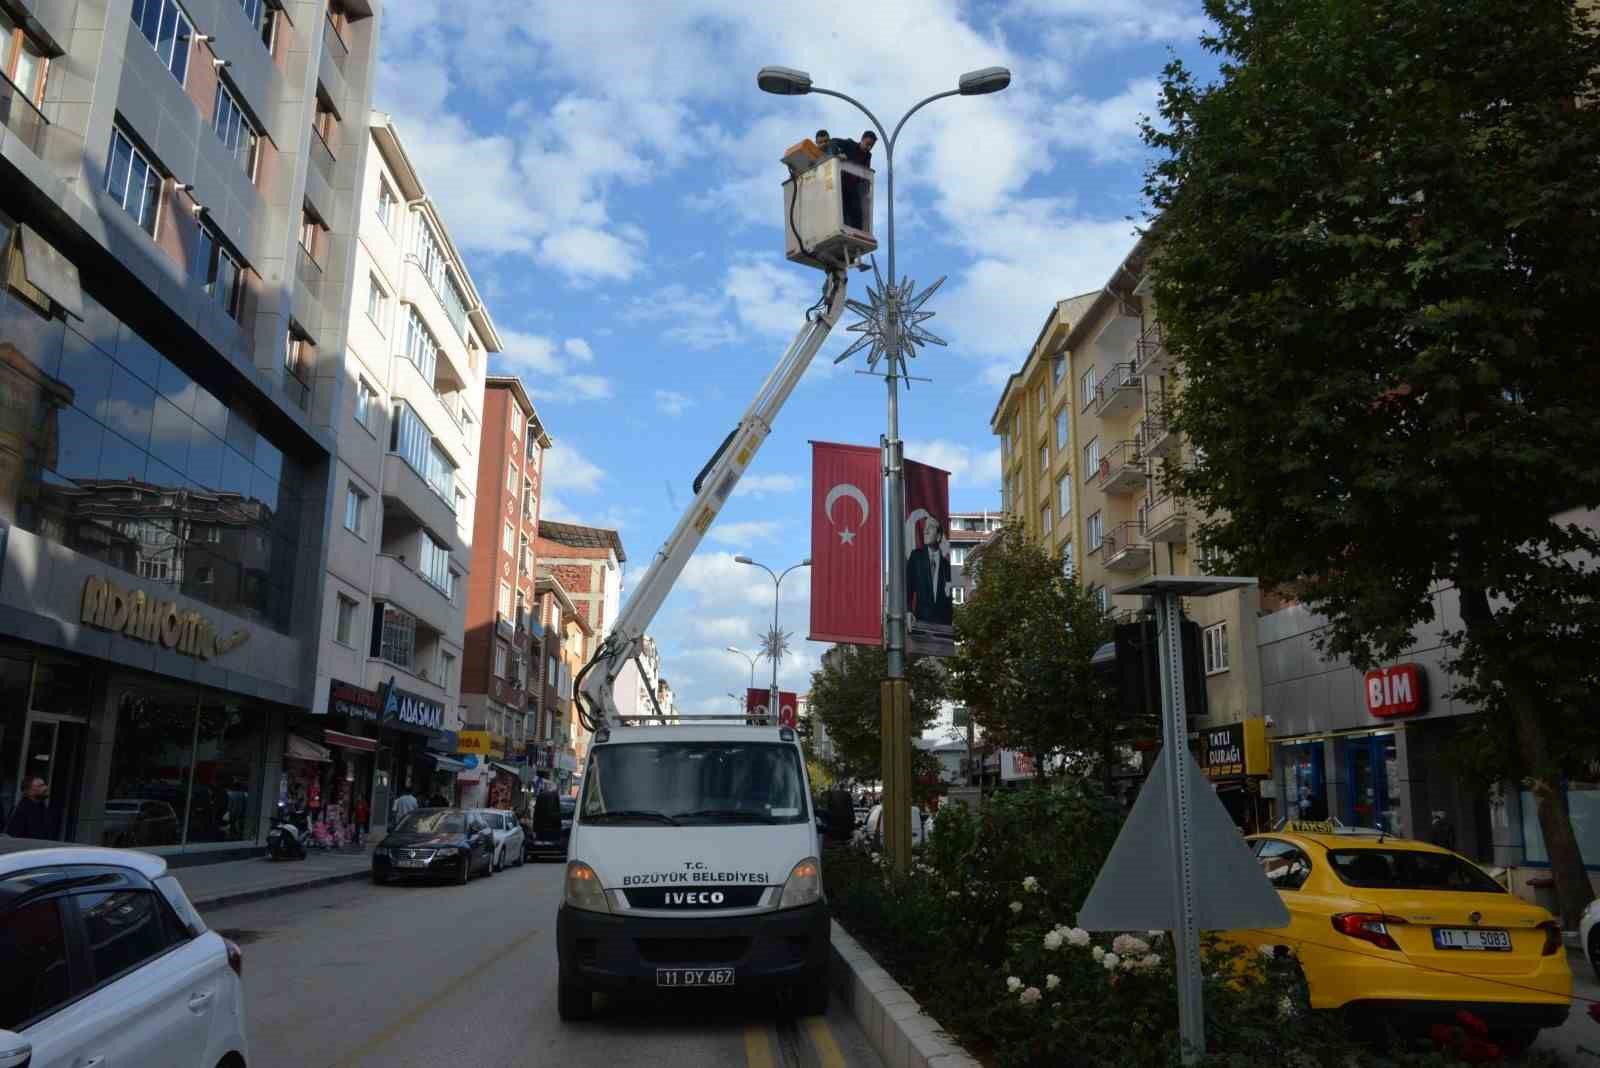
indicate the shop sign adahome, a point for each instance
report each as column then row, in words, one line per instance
column 109, row 606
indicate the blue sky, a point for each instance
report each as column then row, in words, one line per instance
column 611, row 174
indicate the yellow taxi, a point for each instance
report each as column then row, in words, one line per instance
column 1405, row 930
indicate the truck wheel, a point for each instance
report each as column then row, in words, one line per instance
column 573, row 1002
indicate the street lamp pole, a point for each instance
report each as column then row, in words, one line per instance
column 748, row 656
column 777, row 589
column 895, row 698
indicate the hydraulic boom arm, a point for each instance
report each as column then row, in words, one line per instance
column 596, row 682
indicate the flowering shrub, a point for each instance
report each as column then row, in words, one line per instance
column 982, row 932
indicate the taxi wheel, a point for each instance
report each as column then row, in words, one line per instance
column 573, row 1003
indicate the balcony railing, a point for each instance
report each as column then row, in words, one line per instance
column 1156, row 436
column 309, row 271
column 1117, row 391
column 1124, row 548
column 1150, row 351
column 322, row 155
column 19, row 115
column 335, row 42
column 1166, row 518
column 1122, row 468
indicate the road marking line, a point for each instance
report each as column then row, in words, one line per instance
column 827, row 1047
column 414, row 1014
column 757, row 1050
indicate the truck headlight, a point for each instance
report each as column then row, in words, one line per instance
column 804, row 885
column 583, row 889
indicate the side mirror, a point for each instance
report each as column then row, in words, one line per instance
column 15, row 1051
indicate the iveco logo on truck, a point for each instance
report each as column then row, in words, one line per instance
column 695, row 897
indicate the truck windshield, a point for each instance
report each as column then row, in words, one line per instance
column 666, row 783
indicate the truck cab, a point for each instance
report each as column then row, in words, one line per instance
column 694, row 863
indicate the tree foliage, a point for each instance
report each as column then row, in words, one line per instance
column 845, row 698
column 1377, row 266
column 1024, row 644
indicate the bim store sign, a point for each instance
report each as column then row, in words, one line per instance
column 1394, row 691
column 411, row 712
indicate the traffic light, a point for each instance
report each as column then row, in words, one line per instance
column 1131, row 663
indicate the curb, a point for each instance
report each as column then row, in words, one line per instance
column 902, row 1034
column 239, row 897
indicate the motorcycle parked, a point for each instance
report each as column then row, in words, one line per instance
column 286, row 840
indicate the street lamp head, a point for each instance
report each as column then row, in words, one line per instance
column 806, row 562
column 784, row 81
column 743, row 559
column 987, row 80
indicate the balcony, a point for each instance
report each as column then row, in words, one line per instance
column 395, row 579
column 1156, row 436
column 1150, row 356
column 1122, row 326
column 322, row 155
column 1118, row 392
column 417, row 291
column 1124, row 549
column 338, row 50
column 409, row 384
column 1122, row 470
column 18, row 115
column 1166, row 519
column 406, row 490
column 308, row 271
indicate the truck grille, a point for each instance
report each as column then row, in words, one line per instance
column 692, row 950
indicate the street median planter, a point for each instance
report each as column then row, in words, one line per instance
column 900, row 1031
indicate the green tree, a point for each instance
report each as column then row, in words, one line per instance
column 1377, row 266
column 1024, row 642
column 844, row 696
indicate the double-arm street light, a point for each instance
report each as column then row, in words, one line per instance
column 748, row 656
column 776, row 650
column 896, row 699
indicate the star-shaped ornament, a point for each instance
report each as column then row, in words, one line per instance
column 887, row 303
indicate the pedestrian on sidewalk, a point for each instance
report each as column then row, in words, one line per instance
column 31, row 818
column 360, row 812
column 404, row 805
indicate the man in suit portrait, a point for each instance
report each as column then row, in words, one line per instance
column 928, row 577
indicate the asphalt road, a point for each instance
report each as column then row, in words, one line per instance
column 356, row 974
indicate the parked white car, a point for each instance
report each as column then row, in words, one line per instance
column 1589, row 935
column 107, row 962
column 870, row 835
column 508, row 837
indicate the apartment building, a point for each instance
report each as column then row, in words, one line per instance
column 968, row 530
column 1083, row 439
column 169, row 455
column 557, row 742
column 638, row 683
column 587, row 561
column 503, row 632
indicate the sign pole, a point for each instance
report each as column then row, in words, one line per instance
column 1174, row 734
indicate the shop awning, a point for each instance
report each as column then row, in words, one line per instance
column 509, row 769
column 350, row 741
column 450, row 764
column 298, row 748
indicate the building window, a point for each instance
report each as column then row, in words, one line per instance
column 1039, row 399
column 238, row 136
column 410, row 438
column 1216, row 648
column 958, row 555
column 1102, row 597
column 501, row 659
column 1061, row 430
column 513, row 479
column 958, row 595
column 516, row 424
column 219, row 273
column 1064, row 495
column 447, row 669
column 1091, row 458
column 420, row 346
column 461, row 503
column 508, row 538
column 168, row 30
column 366, row 403
column 386, row 203
column 22, row 61
column 355, row 509
column 1044, row 518
column 252, row 11
column 344, row 628
column 1044, row 459
column 430, row 257
column 397, row 637
column 505, row 600
column 1086, row 389
column 1068, row 567
column 377, row 304
column 1094, row 531
column 436, row 564
column 1058, row 369
column 134, row 183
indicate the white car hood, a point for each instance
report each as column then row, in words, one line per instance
column 692, row 857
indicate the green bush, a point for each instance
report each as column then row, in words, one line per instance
column 979, row 931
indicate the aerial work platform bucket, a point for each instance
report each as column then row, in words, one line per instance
column 827, row 214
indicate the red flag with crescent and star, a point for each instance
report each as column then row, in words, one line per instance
column 846, row 544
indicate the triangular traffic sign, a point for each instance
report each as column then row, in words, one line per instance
column 1136, row 889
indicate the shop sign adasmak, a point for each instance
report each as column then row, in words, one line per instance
column 411, row 711
column 109, row 606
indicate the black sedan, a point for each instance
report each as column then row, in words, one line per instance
column 435, row 843
column 537, row 845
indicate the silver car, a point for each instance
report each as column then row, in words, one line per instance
column 508, row 837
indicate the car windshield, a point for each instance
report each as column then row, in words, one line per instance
column 432, row 821
column 1409, row 869
column 664, row 783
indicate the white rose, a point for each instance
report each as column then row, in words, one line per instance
column 1098, row 953
column 1129, row 946
column 1052, row 941
column 1030, row 996
column 1153, row 960
column 1016, row 907
column 954, row 893
column 1030, row 884
column 1013, row 984
column 1110, row 962
column 1078, row 937
column 1052, row 981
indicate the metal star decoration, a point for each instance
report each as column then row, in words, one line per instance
column 775, row 644
column 887, row 302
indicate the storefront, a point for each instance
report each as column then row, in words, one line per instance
column 1233, row 757
column 330, row 767
column 411, row 730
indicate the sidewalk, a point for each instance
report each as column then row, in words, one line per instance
column 212, row 886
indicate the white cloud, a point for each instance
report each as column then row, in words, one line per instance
column 578, row 349
column 565, row 470
column 672, row 403
column 763, row 485
column 529, row 353
column 1107, row 130
column 743, row 533
column 548, row 367
column 968, row 467
column 587, row 387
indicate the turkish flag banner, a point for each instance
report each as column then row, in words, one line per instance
column 846, row 544
column 930, row 605
column 755, row 704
